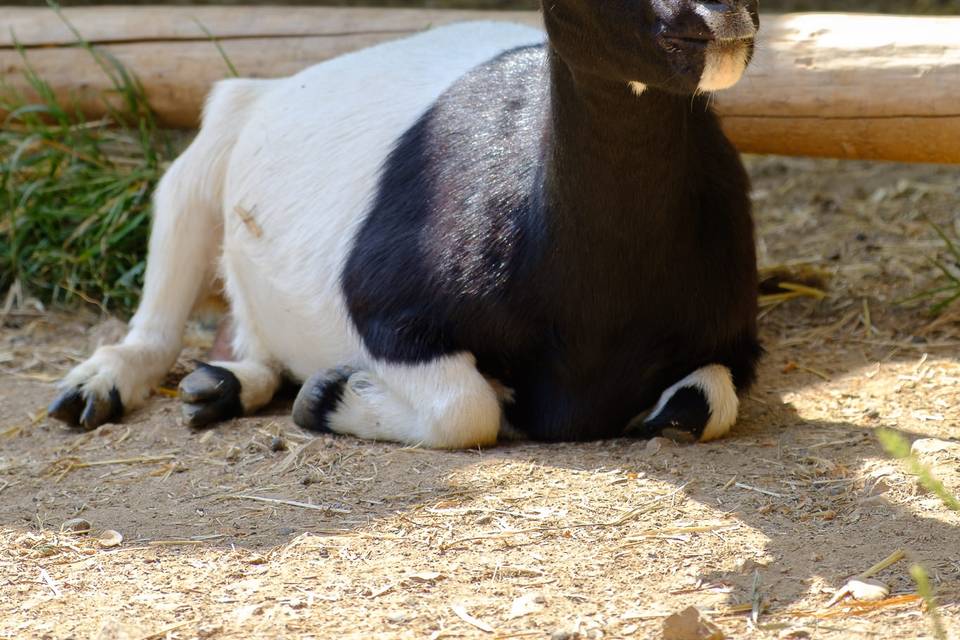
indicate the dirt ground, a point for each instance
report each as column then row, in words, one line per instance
column 256, row 530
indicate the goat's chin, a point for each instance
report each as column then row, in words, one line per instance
column 724, row 64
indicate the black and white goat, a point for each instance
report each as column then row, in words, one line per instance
column 467, row 228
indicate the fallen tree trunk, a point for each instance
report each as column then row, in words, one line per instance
column 834, row 85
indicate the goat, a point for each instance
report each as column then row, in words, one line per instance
column 469, row 228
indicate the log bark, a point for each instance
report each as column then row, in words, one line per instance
column 833, row 85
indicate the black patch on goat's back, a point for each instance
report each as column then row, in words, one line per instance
column 590, row 254
column 449, row 232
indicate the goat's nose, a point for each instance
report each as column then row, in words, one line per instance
column 728, row 20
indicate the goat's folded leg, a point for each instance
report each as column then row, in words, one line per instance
column 703, row 406
column 445, row 404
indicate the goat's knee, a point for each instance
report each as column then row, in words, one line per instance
column 445, row 404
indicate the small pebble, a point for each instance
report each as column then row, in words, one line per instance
column 679, row 436
column 209, row 630
column 277, row 443
column 76, row 525
column 311, row 478
column 656, row 445
column 929, row 446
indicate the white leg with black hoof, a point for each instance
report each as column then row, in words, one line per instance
column 219, row 391
column 703, row 405
column 184, row 244
column 444, row 404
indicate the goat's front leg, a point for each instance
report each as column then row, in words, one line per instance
column 703, row 405
column 183, row 249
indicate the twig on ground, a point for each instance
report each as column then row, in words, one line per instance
column 758, row 490
column 293, row 503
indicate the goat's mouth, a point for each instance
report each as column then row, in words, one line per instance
column 699, row 41
column 695, row 40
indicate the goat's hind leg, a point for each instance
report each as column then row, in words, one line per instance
column 703, row 406
column 444, row 404
column 184, row 248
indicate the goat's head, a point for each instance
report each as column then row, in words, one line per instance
column 680, row 46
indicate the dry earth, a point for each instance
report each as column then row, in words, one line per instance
column 367, row 540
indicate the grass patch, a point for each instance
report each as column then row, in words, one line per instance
column 946, row 291
column 75, row 195
column 949, row 292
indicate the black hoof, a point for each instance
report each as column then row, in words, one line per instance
column 210, row 394
column 683, row 418
column 89, row 411
column 319, row 397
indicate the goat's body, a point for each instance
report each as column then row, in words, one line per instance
column 391, row 218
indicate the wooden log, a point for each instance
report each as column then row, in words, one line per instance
column 851, row 86
column 834, row 85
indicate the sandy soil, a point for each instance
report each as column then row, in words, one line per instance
column 368, row 540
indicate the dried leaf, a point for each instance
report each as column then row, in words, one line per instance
column 424, row 576
column 461, row 612
column 110, row 538
column 690, row 624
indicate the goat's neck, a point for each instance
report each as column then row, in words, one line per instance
column 616, row 161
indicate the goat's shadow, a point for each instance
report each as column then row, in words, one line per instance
column 820, row 495
column 821, row 517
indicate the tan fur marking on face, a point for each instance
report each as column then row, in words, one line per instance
column 725, row 62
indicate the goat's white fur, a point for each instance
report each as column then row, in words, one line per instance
column 271, row 194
